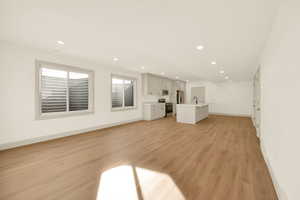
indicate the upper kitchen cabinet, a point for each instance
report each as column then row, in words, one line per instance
column 154, row 85
column 169, row 85
column 151, row 84
column 180, row 85
column 166, row 84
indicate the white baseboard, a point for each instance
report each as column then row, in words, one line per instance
column 231, row 115
column 60, row 135
column 280, row 192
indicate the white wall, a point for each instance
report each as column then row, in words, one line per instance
column 17, row 86
column 230, row 97
column 280, row 100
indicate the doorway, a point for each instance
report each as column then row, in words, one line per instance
column 256, row 102
column 198, row 94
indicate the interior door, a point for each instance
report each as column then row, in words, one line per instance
column 256, row 102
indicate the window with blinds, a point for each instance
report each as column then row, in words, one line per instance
column 78, row 91
column 63, row 90
column 54, row 84
column 123, row 92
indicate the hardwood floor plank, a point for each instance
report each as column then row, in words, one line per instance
column 218, row 158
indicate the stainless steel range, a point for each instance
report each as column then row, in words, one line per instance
column 169, row 108
column 168, row 105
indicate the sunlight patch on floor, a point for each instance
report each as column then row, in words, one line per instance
column 117, row 183
column 134, row 183
column 158, row 186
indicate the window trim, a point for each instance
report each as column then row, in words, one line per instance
column 50, row 65
column 124, row 108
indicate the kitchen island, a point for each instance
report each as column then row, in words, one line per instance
column 191, row 113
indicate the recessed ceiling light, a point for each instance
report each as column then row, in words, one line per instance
column 226, row 77
column 187, row 80
column 221, row 71
column 115, row 59
column 162, row 73
column 200, row 47
column 213, row 62
column 142, row 67
column 60, row 42
column 177, row 77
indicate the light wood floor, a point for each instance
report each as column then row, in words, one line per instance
column 217, row 159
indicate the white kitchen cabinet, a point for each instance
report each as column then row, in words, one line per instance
column 153, row 85
column 165, row 84
column 157, row 84
column 169, row 85
column 154, row 111
column 180, row 85
column 177, row 85
column 191, row 113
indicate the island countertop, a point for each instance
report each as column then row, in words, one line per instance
column 191, row 113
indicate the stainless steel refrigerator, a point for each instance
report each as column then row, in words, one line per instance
column 179, row 97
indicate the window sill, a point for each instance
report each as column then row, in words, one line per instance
column 123, row 109
column 63, row 114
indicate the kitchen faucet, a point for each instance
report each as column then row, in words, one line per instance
column 195, row 98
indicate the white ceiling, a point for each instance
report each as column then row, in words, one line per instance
column 161, row 35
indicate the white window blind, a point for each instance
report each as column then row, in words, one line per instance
column 78, row 91
column 117, row 93
column 123, row 92
column 53, row 91
column 63, row 90
column 128, row 93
